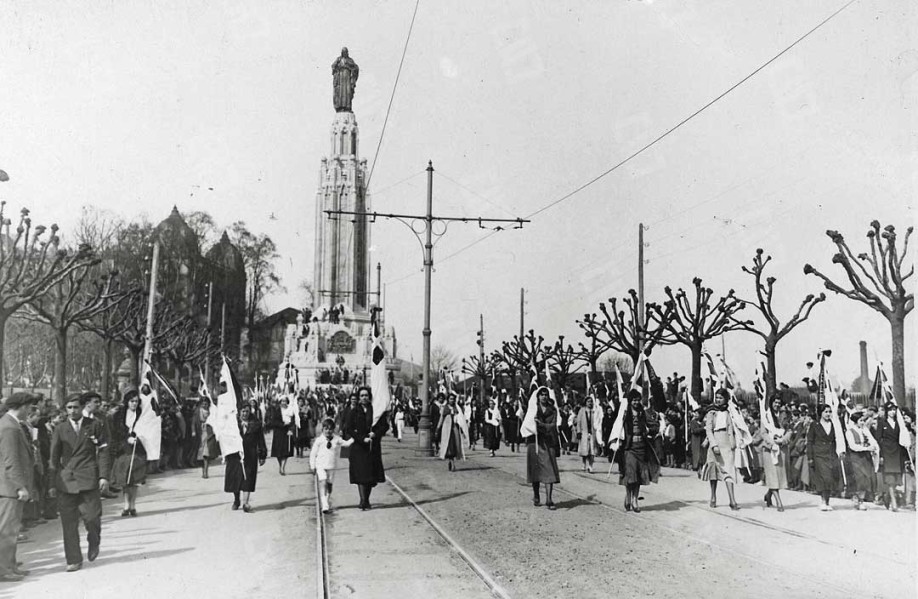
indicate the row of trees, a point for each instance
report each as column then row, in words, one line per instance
column 692, row 318
column 94, row 293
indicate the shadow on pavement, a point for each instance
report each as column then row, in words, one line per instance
column 141, row 514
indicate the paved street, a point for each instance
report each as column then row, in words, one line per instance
column 187, row 542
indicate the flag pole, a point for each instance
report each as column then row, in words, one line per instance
column 151, row 302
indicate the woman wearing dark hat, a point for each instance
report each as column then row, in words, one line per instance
column 543, row 447
column 241, row 474
column 366, row 467
column 130, row 467
column 720, row 465
column 821, row 456
column 892, row 456
column 861, row 448
column 639, row 462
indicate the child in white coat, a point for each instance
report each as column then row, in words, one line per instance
column 323, row 459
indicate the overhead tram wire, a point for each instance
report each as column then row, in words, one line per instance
column 392, row 96
column 660, row 137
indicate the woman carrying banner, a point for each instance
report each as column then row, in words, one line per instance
column 639, row 460
column 130, row 468
column 242, row 472
column 861, row 450
column 892, row 455
column 366, row 466
column 543, row 446
column 773, row 443
column 451, row 433
column 720, row 465
column 511, row 423
column 821, row 456
column 209, row 448
column 585, row 434
column 491, row 427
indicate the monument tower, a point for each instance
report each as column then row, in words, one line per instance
column 334, row 346
column 342, row 272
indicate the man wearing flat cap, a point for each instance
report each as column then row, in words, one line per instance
column 80, row 467
column 15, row 481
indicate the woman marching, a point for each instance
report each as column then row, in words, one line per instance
column 639, row 462
column 720, row 465
column 540, row 430
column 399, row 421
column 282, row 419
column 452, row 433
column 492, row 427
column 587, row 443
column 241, row 472
column 862, row 449
column 773, row 443
column 209, row 449
column 822, row 457
column 511, row 424
column 130, row 468
column 366, row 466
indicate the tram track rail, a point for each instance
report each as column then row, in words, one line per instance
column 323, row 590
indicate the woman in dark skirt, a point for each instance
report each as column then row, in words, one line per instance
column 241, row 474
column 492, row 427
column 542, row 448
column 451, row 433
column 861, row 448
column 821, row 456
column 639, row 463
column 278, row 419
column 892, row 455
column 209, row 448
column 307, row 425
column 366, row 466
column 130, row 467
column 511, row 424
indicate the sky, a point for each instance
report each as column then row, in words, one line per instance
column 135, row 107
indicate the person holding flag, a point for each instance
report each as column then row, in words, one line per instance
column 861, row 449
column 540, row 431
column 491, row 427
column 451, row 431
column 242, row 474
column 719, row 433
column 130, row 467
column 585, row 429
column 892, row 454
column 822, row 456
column 149, row 425
column 511, row 423
column 282, row 420
column 366, row 428
column 638, row 462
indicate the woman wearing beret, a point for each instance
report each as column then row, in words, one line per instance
column 130, row 467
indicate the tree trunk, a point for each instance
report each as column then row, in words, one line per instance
column 60, row 365
column 696, row 371
column 106, row 369
column 897, row 323
column 135, row 364
column 3, row 319
column 771, row 372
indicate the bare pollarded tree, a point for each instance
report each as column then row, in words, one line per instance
column 878, row 280
column 773, row 330
column 696, row 320
column 623, row 330
column 31, row 264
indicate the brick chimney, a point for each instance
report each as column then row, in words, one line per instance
column 865, row 375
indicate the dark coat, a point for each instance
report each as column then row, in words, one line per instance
column 820, row 451
column 366, row 467
column 16, row 457
column 890, row 451
column 77, row 463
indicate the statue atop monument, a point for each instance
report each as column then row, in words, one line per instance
column 344, row 74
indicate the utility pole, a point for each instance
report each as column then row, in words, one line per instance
column 640, row 323
column 522, row 311
column 424, row 424
column 210, row 310
column 378, row 294
column 223, row 329
column 151, row 303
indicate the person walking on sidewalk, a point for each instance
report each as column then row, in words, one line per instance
column 323, row 460
column 451, row 432
column 366, row 467
column 241, row 474
column 491, row 427
column 720, row 465
column 130, row 467
column 587, row 443
column 80, row 467
column 640, row 463
column 399, row 422
column 821, row 456
column 15, row 482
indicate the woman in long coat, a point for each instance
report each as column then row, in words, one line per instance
column 366, row 466
column 861, row 449
column 280, row 419
column 639, row 462
column 821, row 456
column 696, row 439
column 542, row 449
column 130, row 467
column 587, row 443
column 720, row 464
column 451, row 433
column 892, row 455
column 241, row 473
column 491, row 427
column 774, row 459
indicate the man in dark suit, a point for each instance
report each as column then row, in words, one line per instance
column 80, row 466
column 15, row 482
